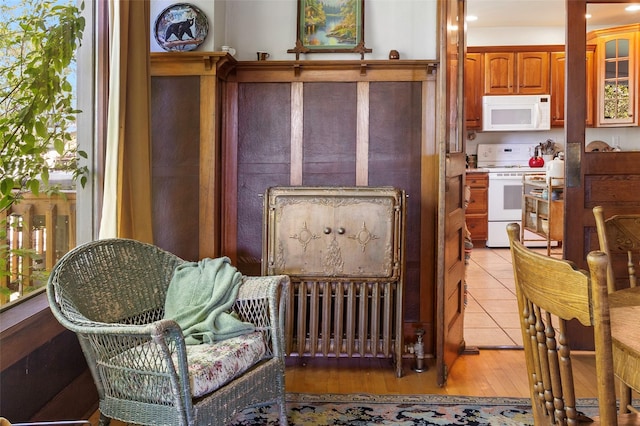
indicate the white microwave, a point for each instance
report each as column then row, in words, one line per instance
column 516, row 112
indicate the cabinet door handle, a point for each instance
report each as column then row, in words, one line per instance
column 327, row 230
column 341, row 230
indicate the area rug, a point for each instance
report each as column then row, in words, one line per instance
column 405, row 410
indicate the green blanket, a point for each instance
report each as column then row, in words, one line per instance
column 200, row 297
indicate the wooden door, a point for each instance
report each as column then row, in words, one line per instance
column 609, row 179
column 499, row 70
column 473, row 91
column 532, row 73
column 451, row 224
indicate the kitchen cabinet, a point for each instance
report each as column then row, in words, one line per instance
column 516, row 73
column 473, row 81
column 557, row 66
column 542, row 208
column 616, row 68
column 477, row 210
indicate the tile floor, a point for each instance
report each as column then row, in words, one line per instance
column 490, row 319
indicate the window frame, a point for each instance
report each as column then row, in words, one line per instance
column 92, row 84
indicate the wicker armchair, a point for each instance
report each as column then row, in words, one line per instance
column 111, row 293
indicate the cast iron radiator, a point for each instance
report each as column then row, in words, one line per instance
column 343, row 249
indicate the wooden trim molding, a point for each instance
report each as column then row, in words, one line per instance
column 297, row 132
column 336, row 71
column 362, row 135
column 191, row 63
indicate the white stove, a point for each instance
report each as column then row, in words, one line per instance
column 506, row 164
column 506, row 157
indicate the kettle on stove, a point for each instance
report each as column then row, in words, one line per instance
column 536, row 160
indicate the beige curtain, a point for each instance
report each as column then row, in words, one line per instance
column 127, row 208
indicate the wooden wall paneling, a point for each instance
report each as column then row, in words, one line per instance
column 25, row 394
column 429, row 183
column 362, row 134
column 209, row 167
column 229, row 175
column 603, row 187
column 185, row 133
column 264, row 156
column 395, row 132
column 330, row 123
column 319, row 129
column 297, row 132
column 175, row 135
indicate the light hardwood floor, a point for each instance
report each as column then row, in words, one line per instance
column 490, row 373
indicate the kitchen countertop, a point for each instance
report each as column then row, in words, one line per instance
column 478, row 170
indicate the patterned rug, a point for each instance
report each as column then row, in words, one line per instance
column 405, row 410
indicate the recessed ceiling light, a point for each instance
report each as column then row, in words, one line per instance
column 632, row 8
column 471, row 18
column 588, row 16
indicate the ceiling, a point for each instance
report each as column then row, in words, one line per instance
column 543, row 13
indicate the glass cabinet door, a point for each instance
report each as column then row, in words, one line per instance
column 616, row 54
column 617, row 104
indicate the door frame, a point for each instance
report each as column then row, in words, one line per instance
column 450, row 136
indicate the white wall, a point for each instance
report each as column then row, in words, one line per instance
column 625, row 138
column 409, row 26
column 510, row 36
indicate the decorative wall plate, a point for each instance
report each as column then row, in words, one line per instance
column 181, row 27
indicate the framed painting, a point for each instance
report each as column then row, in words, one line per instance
column 330, row 26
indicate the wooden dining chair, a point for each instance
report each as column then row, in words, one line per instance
column 619, row 236
column 550, row 293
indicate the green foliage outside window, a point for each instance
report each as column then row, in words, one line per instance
column 616, row 101
column 38, row 43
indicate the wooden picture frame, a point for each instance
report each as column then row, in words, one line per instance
column 330, row 26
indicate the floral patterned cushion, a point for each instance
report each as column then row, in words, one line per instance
column 210, row 367
column 213, row 365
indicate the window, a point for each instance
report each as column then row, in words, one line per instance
column 42, row 227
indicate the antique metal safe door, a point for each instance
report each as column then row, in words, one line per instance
column 343, row 248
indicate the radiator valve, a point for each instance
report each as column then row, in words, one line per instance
column 418, row 349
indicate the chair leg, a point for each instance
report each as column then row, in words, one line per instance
column 282, row 402
column 104, row 420
column 283, row 414
column 625, row 398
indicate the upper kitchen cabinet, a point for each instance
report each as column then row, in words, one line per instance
column 617, row 74
column 511, row 73
column 473, row 91
column 499, row 72
column 532, row 73
column 558, row 64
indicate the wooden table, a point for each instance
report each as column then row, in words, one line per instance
column 624, row 306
